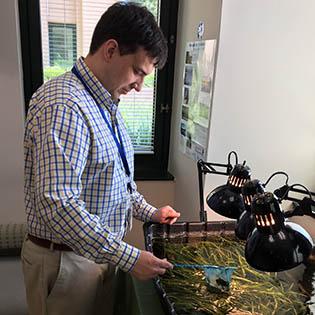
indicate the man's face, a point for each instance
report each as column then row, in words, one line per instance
column 128, row 72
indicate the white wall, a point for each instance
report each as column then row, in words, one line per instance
column 11, row 117
column 264, row 88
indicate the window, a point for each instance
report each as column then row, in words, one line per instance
column 62, row 44
column 56, row 32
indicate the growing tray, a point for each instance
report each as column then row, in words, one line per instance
column 181, row 233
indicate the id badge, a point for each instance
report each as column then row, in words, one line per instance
column 129, row 210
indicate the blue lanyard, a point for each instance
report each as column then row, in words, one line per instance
column 119, row 144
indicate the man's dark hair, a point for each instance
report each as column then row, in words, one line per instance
column 132, row 26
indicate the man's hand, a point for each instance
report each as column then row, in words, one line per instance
column 165, row 215
column 148, row 266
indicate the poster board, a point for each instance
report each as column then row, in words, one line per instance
column 197, row 98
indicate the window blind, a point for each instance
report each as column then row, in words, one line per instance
column 66, row 30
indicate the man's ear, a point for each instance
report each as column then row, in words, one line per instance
column 110, row 47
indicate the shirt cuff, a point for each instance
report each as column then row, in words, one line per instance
column 147, row 213
column 126, row 257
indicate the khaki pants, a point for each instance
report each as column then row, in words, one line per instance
column 63, row 283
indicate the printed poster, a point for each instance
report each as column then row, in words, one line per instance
column 197, row 97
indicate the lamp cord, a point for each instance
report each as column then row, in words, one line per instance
column 235, row 155
column 300, row 185
column 277, row 173
column 303, row 207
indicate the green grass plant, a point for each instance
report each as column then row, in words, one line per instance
column 251, row 291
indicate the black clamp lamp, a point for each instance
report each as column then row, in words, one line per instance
column 227, row 199
column 246, row 222
column 272, row 242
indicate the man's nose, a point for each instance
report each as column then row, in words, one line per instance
column 138, row 85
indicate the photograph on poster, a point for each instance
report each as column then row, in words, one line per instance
column 200, row 150
column 186, row 95
column 188, row 140
column 188, row 58
column 183, row 129
column 203, row 116
column 206, row 85
column 185, row 112
column 188, row 75
column 201, row 135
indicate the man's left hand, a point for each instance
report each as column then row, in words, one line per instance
column 165, row 215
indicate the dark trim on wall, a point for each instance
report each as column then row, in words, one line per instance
column 156, row 165
column 29, row 12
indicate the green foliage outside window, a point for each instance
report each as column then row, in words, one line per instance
column 51, row 72
column 152, row 5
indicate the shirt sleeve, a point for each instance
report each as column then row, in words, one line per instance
column 62, row 143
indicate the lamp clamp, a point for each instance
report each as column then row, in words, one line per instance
column 212, row 168
column 304, row 206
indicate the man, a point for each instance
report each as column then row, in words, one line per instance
column 79, row 189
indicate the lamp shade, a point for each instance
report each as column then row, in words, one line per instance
column 275, row 244
column 227, row 200
column 246, row 222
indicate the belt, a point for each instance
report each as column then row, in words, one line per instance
column 48, row 244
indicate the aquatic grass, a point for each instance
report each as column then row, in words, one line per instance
column 251, row 291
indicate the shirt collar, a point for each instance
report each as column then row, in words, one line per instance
column 102, row 96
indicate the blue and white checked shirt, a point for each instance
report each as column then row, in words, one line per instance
column 75, row 182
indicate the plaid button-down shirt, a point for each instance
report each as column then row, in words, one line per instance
column 75, row 182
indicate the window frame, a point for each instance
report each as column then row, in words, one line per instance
column 147, row 166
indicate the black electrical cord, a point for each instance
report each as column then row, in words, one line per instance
column 235, row 155
column 300, row 185
column 277, row 173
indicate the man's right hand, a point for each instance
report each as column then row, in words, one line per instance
column 148, row 266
